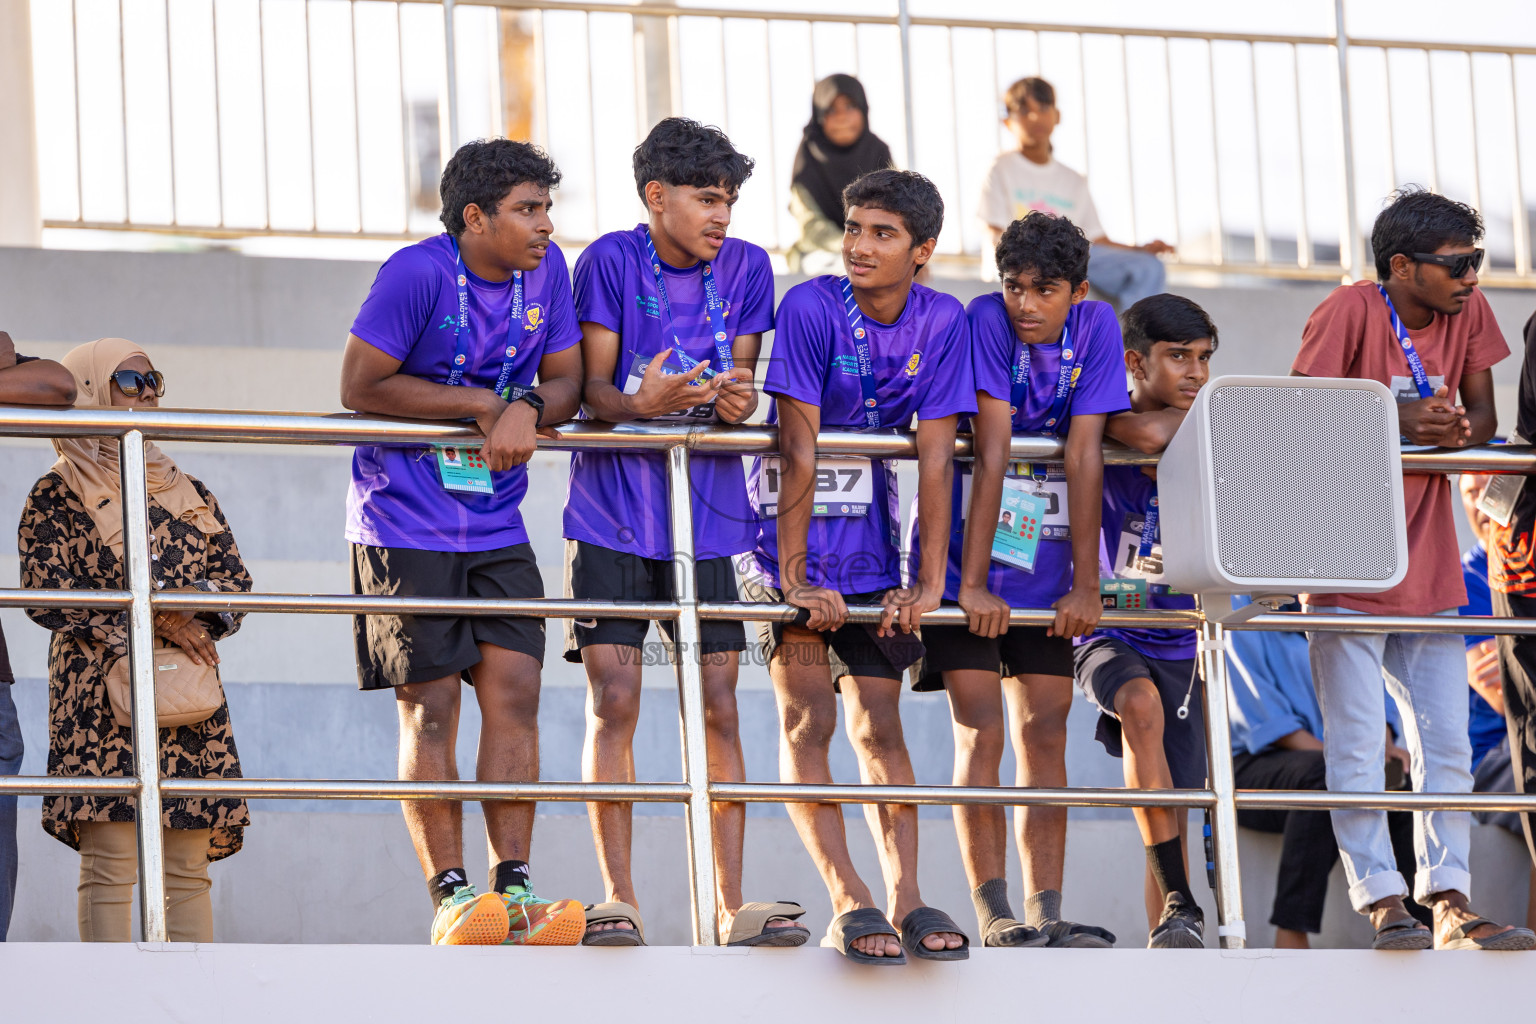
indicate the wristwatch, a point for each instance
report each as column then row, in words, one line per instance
column 534, row 400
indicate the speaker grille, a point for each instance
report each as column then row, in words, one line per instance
column 1301, row 483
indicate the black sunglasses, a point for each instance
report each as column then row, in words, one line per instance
column 132, row 383
column 1457, row 263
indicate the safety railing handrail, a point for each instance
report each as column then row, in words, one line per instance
column 696, row 791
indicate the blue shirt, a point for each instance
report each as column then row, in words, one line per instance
column 1485, row 726
column 1271, row 688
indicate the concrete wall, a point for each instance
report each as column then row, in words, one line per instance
column 251, row 333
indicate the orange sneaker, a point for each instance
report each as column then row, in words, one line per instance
column 468, row 918
column 534, row 921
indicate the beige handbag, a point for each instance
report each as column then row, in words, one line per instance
column 185, row 692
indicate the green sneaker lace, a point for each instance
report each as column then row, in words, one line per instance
column 461, row 894
column 523, row 896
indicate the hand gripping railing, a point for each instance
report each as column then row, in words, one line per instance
column 695, row 791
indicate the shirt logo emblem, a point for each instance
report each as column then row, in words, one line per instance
column 447, row 322
column 1076, row 372
column 535, row 317
column 912, row 364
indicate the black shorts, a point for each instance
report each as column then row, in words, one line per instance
column 397, row 649
column 1107, row 663
column 851, row 650
column 1023, row 650
column 596, row 573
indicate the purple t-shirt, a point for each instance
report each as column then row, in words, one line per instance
column 1092, row 330
column 618, row 500
column 397, row 499
column 921, row 369
column 1127, row 492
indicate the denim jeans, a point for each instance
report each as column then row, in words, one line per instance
column 10, row 764
column 1426, row 675
column 1125, row 275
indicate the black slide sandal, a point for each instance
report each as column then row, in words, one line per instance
column 926, row 921
column 859, row 924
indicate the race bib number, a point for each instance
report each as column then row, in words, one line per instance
column 704, row 413
column 1016, row 538
column 1050, row 493
column 844, row 487
column 463, row 470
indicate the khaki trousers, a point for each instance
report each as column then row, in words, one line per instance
column 109, row 867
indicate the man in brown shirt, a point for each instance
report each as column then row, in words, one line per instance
column 1427, row 333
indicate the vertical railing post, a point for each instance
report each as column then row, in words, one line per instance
column 453, row 80
column 1350, row 239
column 141, row 644
column 701, row 830
column 904, row 24
column 1231, row 931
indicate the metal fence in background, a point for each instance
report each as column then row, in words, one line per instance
column 1256, row 153
column 696, row 791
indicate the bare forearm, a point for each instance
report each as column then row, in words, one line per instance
column 562, row 399
column 609, row 404
column 1299, row 740
column 1085, row 487
column 37, row 382
column 935, row 484
column 1485, row 423
column 796, row 491
column 1147, row 432
column 404, row 395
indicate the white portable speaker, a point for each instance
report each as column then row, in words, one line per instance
column 1284, row 485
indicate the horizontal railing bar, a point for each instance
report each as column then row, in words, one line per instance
column 1321, row 799
column 397, row 789
column 749, row 612
column 359, row 604
column 68, row 785
column 355, row 429
column 1460, row 625
column 67, row 599
column 778, row 792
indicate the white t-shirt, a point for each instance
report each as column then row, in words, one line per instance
column 1015, row 185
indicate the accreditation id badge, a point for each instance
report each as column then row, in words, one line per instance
column 1128, row 561
column 1051, row 492
column 702, row 413
column 1016, row 537
column 1119, row 595
column 844, row 487
column 463, row 470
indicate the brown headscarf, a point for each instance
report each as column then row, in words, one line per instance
column 89, row 465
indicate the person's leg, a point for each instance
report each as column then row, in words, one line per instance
column 1140, row 710
column 1346, row 670
column 976, row 706
column 507, row 690
column 1307, row 850
column 109, row 865
column 802, row 687
column 10, row 764
column 188, row 905
column 1517, row 665
column 1400, row 828
column 1037, row 718
column 429, row 728
column 1126, row 275
column 607, row 755
column 722, row 741
column 1427, row 676
column 873, row 722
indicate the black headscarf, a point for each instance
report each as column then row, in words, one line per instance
column 823, row 169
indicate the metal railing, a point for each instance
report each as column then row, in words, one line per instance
column 696, row 791
column 1234, row 172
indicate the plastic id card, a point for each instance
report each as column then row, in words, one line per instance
column 1016, row 540
column 463, row 470
column 1123, row 595
column 1051, row 493
column 844, row 487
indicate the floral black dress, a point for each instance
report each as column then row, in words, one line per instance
column 61, row 549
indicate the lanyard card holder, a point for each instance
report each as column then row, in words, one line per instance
column 1503, row 491
column 1016, row 538
column 463, row 470
column 702, row 413
column 1123, row 595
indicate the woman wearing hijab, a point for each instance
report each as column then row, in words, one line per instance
column 837, row 147
column 71, row 538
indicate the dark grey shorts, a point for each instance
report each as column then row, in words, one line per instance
column 397, row 649
column 596, row 573
column 1107, row 663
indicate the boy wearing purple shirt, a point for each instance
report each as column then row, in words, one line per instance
column 455, row 328
column 863, row 353
column 672, row 314
column 1046, row 361
column 1142, row 680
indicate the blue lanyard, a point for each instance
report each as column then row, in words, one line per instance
column 1148, row 526
column 865, row 358
column 714, row 313
column 1066, row 383
column 1415, row 364
column 461, row 330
